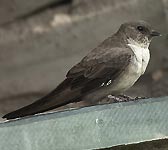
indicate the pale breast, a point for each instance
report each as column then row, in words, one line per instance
column 142, row 57
column 127, row 78
column 135, row 69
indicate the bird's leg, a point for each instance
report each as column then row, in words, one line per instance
column 126, row 97
column 129, row 98
column 114, row 99
column 122, row 98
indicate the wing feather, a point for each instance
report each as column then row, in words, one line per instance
column 92, row 71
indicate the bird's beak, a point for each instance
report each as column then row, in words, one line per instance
column 155, row 33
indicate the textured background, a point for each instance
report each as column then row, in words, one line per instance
column 39, row 42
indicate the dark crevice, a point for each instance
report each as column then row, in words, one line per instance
column 51, row 5
column 39, row 10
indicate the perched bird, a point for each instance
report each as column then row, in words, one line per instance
column 111, row 68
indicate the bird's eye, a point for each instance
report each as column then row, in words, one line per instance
column 140, row 28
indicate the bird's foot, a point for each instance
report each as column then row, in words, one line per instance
column 129, row 98
column 116, row 99
column 138, row 97
column 119, row 98
column 126, row 97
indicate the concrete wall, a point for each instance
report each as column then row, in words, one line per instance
column 37, row 51
column 13, row 9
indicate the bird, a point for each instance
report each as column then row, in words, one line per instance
column 109, row 69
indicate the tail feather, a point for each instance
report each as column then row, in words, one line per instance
column 61, row 96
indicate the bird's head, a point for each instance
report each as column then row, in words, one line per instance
column 139, row 32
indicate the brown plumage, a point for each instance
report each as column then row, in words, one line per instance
column 88, row 79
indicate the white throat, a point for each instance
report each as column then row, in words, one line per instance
column 138, row 44
column 141, row 53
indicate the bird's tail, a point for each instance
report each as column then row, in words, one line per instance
column 62, row 95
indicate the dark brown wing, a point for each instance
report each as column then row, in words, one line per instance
column 100, row 66
column 96, row 69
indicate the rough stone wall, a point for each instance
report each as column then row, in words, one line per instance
column 37, row 50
